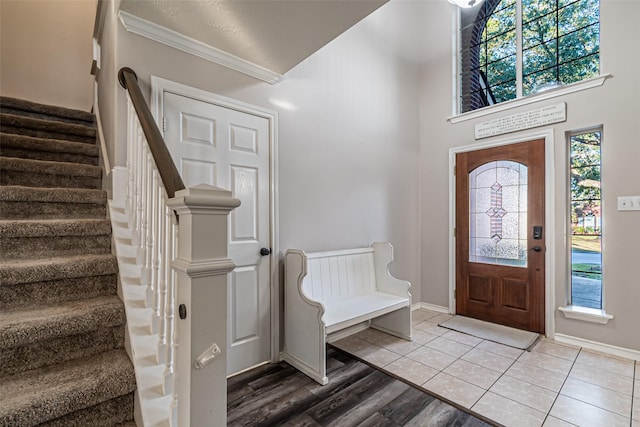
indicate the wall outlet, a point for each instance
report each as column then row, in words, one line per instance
column 629, row 203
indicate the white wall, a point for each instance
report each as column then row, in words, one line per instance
column 614, row 106
column 47, row 51
column 348, row 145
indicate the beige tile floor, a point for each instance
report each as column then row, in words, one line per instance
column 553, row 385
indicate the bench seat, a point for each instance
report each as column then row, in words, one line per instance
column 343, row 313
column 327, row 292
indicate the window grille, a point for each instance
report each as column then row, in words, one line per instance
column 514, row 48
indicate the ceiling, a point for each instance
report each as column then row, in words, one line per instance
column 275, row 34
column 279, row 34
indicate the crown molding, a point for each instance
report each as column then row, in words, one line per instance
column 172, row 38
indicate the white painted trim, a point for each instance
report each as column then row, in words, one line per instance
column 179, row 41
column 519, row 102
column 550, row 261
column 586, row 314
column 613, row 350
column 158, row 87
column 550, row 234
column 432, row 307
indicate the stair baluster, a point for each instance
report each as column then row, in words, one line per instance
column 199, row 265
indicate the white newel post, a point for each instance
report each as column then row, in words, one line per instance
column 202, row 267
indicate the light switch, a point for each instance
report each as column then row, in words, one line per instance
column 629, row 203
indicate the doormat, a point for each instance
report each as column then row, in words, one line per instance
column 490, row 331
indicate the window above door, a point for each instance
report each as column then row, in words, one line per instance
column 512, row 49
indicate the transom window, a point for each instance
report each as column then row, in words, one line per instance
column 514, row 48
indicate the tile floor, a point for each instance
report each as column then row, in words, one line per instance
column 553, row 385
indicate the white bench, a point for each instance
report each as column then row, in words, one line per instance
column 326, row 292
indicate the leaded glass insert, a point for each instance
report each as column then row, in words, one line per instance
column 498, row 214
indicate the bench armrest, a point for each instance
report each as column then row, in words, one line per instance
column 385, row 282
column 305, row 331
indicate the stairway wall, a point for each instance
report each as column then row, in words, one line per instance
column 47, row 51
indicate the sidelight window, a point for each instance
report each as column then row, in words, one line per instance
column 586, row 219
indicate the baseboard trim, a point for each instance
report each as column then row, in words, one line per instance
column 613, row 350
column 432, row 307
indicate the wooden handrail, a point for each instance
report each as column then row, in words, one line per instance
column 167, row 169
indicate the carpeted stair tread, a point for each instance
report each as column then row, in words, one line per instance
column 22, row 106
column 22, row 358
column 27, row 325
column 111, row 413
column 11, row 229
column 24, row 146
column 45, row 394
column 49, row 174
column 15, row 193
column 22, row 202
column 29, row 270
column 41, row 128
column 50, row 168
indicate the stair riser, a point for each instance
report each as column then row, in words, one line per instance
column 51, row 210
column 54, row 291
column 55, row 246
column 49, row 156
column 54, row 351
column 48, row 134
column 31, row 179
column 106, row 414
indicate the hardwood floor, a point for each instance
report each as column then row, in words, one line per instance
column 357, row 395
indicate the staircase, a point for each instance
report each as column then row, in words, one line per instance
column 62, row 357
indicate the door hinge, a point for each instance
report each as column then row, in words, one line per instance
column 454, row 232
column 164, row 124
column 455, row 169
column 455, row 294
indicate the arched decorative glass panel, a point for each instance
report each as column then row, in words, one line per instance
column 498, row 214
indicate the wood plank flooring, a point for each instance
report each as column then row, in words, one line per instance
column 357, row 395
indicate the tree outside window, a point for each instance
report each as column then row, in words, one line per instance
column 558, row 41
column 586, row 219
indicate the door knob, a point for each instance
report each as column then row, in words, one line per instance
column 265, row 251
column 537, row 249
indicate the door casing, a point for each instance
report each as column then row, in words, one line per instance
column 158, row 87
column 549, row 185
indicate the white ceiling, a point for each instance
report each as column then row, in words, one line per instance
column 279, row 34
column 275, row 34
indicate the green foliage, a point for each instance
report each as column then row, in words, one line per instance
column 591, row 271
column 585, row 180
column 560, row 42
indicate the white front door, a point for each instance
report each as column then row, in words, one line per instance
column 230, row 149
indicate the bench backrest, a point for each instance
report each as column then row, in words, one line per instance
column 340, row 274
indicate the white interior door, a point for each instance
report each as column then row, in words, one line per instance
column 230, row 149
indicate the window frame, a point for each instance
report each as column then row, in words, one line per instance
column 520, row 99
column 570, row 310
